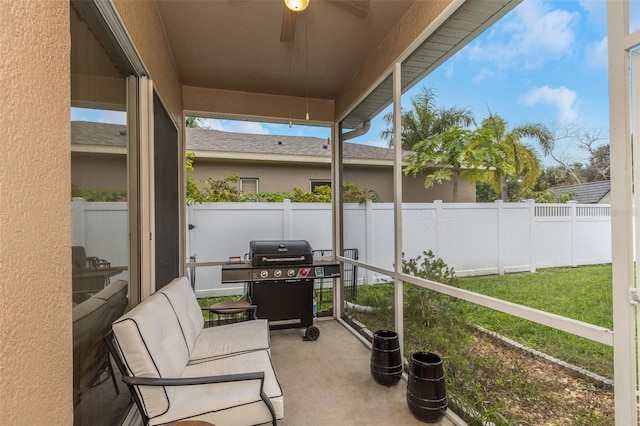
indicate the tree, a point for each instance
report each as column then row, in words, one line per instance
column 599, row 164
column 453, row 154
column 425, row 120
column 576, row 137
column 214, row 191
column 195, row 122
column 559, row 176
column 526, row 165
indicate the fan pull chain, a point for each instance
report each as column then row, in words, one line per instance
column 306, row 60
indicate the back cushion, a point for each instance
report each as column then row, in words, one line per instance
column 184, row 302
column 152, row 345
column 115, row 294
column 89, row 350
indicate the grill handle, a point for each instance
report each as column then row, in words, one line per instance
column 283, row 259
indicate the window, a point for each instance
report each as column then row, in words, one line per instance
column 248, row 186
column 316, row 183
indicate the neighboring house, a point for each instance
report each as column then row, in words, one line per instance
column 265, row 163
column 588, row 193
column 98, row 155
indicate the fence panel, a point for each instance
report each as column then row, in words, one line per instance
column 473, row 238
column 102, row 228
column 468, row 238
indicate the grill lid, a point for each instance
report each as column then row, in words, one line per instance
column 280, row 252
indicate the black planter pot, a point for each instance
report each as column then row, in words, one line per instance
column 426, row 389
column 386, row 362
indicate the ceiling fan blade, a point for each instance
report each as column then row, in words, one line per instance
column 359, row 8
column 288, row 31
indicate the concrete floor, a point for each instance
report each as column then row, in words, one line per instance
column 328, row 382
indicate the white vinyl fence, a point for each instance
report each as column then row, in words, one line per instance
column 473, row 238
column 101, row 227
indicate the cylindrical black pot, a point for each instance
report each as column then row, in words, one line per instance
column 426, row 389
column 386, row 362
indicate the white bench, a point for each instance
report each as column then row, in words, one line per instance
column 178, row 370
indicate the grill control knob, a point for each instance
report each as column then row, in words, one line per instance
column 264, row 274
column 277, row 273
column 304, row 272
column 291, row 273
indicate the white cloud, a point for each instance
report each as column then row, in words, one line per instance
column 484, row 74
column 236, row 126
column 449, row 69
column 597, row 54
column 533, row 34
column 560, row 97
column 596, row 10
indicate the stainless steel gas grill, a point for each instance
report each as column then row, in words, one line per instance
column 280, row 276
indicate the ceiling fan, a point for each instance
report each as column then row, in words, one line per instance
column 292, row 8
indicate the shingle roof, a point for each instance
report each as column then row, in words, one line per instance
column 586, row 193
column 215, row 140
column 83, row 132
column 87, row 133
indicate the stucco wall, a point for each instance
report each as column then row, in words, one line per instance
column 95, row 171
column 280, row 177
column 145, row 30
column 35, row 219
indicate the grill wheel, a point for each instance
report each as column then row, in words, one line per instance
column 312, row 333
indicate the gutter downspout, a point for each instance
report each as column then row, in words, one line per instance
column 366, row 124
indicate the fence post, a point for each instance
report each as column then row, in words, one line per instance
column 574, row 209
column 287, row 221
column 190, row 236
column 499, row 204
column 532, row 233
column 368, row 238
column 437, row 217
column 77, row 222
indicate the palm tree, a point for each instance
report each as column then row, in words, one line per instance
column 520, row 155
column 425, row 120
column 455, row 154
column 194, row 122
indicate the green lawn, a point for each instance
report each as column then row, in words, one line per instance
column 500, row 386
column 582, row 293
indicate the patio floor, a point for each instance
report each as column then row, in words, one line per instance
column 327, row 381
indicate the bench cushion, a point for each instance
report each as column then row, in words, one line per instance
column 152, row 345
column 236, row 403
column 231, row 339
column 185, row 305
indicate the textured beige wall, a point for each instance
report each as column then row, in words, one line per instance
column 99, row 171
column 278, row 177
column 227, row 103
column 35, row 221
column 145, row 29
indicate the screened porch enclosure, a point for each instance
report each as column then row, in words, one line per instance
column 157, row 214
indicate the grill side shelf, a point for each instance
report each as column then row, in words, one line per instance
column 236, row 273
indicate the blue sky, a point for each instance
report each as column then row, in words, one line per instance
column 545, row 61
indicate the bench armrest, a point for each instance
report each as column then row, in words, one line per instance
column 186, row 381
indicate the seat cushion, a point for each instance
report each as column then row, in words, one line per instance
column 186, row 308
column 230, row 339
column 236, row 403
column 151, row 343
